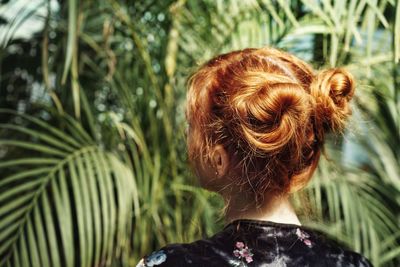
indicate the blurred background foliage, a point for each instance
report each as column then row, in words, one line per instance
column 93, row 165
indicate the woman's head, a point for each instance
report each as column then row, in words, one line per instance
column 264, row 114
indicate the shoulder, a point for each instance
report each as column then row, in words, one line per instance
column 176, row 254
column 338, row 252
column 208, row 250
column 362, row 261
column 356, row 259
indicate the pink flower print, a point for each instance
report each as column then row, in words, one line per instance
column 303, row 236
column 307, row 242
column 243, row 252
column 239, row 245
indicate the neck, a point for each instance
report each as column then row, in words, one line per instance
column 276, row 208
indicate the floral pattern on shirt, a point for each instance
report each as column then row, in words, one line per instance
column 273, row 244
column 155, row 258
column 242, row 251
column 303, row 236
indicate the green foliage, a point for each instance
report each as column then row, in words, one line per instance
column 92, row 146
column 64, row 191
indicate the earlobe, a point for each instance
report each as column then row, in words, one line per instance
column 220, row 160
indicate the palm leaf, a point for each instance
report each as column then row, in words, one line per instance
column 70, row 208
column 352, row 196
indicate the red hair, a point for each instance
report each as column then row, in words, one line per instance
column 270, row 110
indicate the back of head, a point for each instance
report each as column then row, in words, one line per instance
column 271, row 112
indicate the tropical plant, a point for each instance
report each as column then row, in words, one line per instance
column 94, row 169
column 64, row 184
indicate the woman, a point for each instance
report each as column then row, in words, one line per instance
column 257, row 122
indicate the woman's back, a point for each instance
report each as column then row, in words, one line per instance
column 257, row 125
column 248, row 242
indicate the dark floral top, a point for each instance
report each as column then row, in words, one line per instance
column 247, row 242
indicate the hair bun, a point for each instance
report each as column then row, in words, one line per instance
column 273, row 110
column 332, row 90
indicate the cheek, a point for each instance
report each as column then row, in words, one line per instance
column 194, row 161
column 204, row 173
column 191, row 152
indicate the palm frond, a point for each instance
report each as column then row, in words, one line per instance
column 72, row 207
column 355, row 209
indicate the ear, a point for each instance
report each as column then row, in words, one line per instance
column 220, row 160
